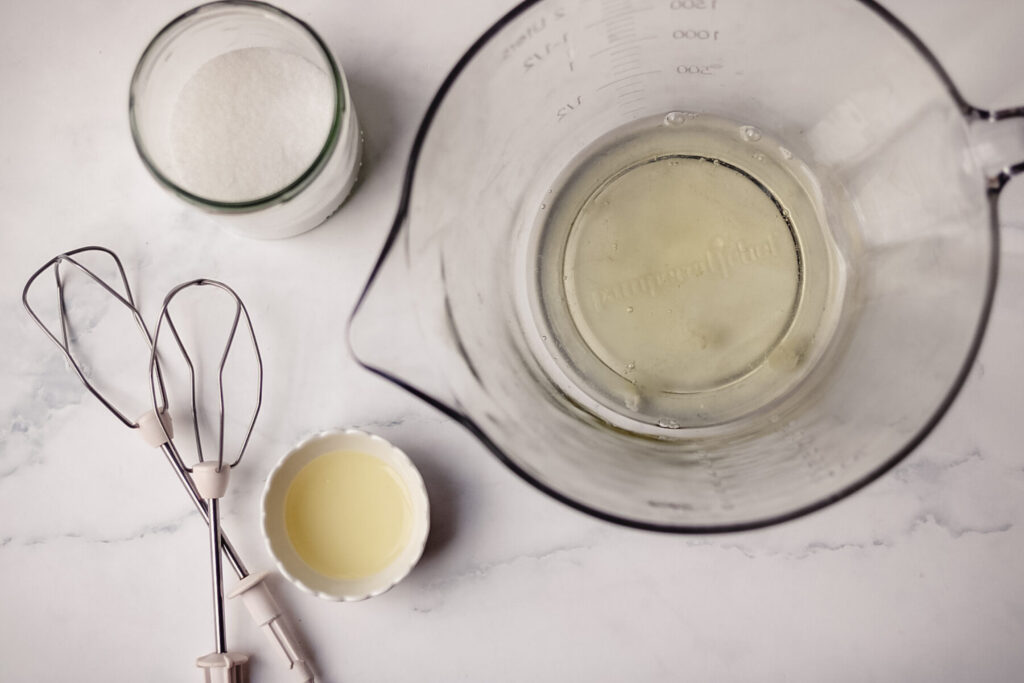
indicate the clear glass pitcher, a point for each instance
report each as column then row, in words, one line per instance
column 693, row 265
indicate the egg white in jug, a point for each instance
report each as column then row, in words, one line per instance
column 685, row 274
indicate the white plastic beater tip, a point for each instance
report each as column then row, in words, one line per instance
column 267, row 614
column 224, row 667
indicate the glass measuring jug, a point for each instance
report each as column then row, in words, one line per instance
column 694, row 265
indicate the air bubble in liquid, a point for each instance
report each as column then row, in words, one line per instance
column 631, row 398
column 675, row 118
column 751, row 133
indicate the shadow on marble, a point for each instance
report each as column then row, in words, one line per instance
column 376, row 107
column 444, row 508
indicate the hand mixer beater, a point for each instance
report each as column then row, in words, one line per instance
column 210, row 475
column 155, row 427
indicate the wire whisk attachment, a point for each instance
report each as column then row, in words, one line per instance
column 211, row 474
column 204, row 482
column 63, row 338
column 165, row 321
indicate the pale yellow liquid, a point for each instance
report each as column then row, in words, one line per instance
column 682, row 274
column 348, row 514
column 686, row 276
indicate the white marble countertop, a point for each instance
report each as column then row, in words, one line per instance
column 103, row 566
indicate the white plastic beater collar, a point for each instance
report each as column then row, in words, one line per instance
column 151, row 430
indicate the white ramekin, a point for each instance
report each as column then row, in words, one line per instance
column 275, row 534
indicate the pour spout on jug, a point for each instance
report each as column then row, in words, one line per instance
column 397, row 329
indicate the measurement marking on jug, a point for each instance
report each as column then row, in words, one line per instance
column 534, row 29
column 625, row 57
column 569, row 107
column 626, row 14
column 545, row 51
column 625, row 49
column 695, row 34
column 619, row 6
column 627, row 11
column 621, row 36
column 619, row 23
column 625, row 68
column 621, row 43
column 626, row 78
column 698, row 69
column 624, row 71
column 693, row 4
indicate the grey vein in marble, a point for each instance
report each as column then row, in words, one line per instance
column 157, row 529
column 439, row 587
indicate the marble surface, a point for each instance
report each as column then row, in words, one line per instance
column 103, row 567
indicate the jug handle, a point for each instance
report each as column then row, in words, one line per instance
column 997, row 135
column 997, row 141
